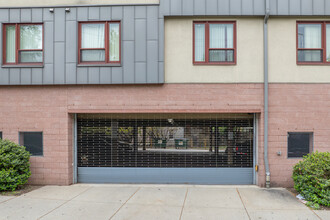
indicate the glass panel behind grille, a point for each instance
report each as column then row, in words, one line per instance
column 111, row 141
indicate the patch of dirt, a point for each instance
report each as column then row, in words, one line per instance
column 295, row 193
column 20, row 191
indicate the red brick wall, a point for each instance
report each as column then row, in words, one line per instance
column 293, row 107
column 296, row 108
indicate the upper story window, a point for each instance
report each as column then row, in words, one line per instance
column 99, row 42
column 23, row 44
column 313, row 42
column 214, row 42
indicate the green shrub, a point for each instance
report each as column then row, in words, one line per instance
column 311, row 178
column 14, row 165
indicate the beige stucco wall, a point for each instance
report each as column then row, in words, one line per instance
column 179, row 66
column 31, row 3
column 282, row 55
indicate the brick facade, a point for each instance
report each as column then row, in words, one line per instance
column 292, row 107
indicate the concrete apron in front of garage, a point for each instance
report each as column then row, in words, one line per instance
column 83, row 201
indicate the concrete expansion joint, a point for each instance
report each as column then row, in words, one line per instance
column 124, row 203
column 184, row 202
column 65, row 202
column 9, row 199
column 243, row 203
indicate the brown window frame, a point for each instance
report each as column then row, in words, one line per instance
column 207, row 43
column 323, row 43
column 106, row 43
column 17, row 44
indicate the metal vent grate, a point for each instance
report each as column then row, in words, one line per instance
column 165, row 140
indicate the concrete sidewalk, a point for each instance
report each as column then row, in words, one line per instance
column 156, row 202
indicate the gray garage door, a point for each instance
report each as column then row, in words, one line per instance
column 165, row 148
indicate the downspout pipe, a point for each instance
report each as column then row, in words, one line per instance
column 266, row 93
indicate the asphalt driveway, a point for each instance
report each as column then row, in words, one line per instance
column 158, row 202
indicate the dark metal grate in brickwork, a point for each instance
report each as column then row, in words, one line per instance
column 165, row 140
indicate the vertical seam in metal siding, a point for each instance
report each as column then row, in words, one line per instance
column 65, row 13
column 53, row 49
column 122, row 47
column 43, row 29
column 229, row 7
column 146, row 48
column 77, row 37
column 134, row 41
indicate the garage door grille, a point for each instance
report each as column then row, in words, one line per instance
column 159, row 140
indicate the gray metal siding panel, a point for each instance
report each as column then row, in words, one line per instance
column 247, row 7
column 306, row 7
column 211, row 7
column 258, row 7
column 318, row 7
column 105, row 75
column 141, row 72
column 128, row 60
column 161, row 72
column 235, row 7
column 327, row 7
column 72, row 15
column 105, row 13
column 128, row 23
column 93, row 13
column 117, row 75
column 71, row 42
column 4, row 15
column 14, row 76
column 47, row 16
column 223, row 7
column 117, row 13
column 164, row 8
column 70, row 73
column 152, row 23
column 59, row 24
column 49, row 42
column 166, row 175
column 82, row 14
column 37, row 15
column 161, row 40
column 152, row 62
column 26, row 15
column 273, row 7
column 140, row 12
column 141, row 40
column 82, row 75
column 282, row 7
column 4, row 76
column 26, row 76
column 294, row 7
column 37, row 76
column 176, row 7
column 14, row 15
column 187, row 7
column 93, row 75
column 199, row 7
column 59, row 63
column 48, row 75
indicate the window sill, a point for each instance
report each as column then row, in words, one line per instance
column 214, row 64
column 313, row 64
column 99, row 65
column 22, row 66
